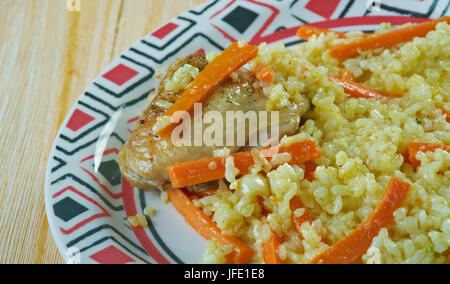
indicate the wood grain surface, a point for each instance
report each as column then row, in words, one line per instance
column 48, row 56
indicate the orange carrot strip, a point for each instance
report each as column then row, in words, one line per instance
column 296, row 203
column 264, row 73
column 306, row 32
column 354, row 246
column 358, row 90
column 310, row 169
column 200, row 222
column 230, row 60
column 271, row 250
column 447, row 113
column 387, row 40
column 415, row 147
column 264, row 211
column 347, row 75
column 405, row 155
column 195, row 172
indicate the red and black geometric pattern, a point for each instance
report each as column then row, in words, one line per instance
column 87, row 199
column 111, row 255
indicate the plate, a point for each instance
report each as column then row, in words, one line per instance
column 87, row 200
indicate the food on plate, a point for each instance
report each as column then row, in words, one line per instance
column 145, row 157
column 361, row 172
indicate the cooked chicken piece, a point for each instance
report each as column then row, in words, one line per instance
column 145, row 157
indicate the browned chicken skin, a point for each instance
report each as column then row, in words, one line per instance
column 145, row 157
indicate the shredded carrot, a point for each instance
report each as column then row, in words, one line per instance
column 296, row 203
column 200, row 222
column 190, row 173
column 447, row 113
column 230, row 60
column 415, row 147
column 405, row 155
column 306, row 32
column 347, row 76
column 354, row 246
column 358, row 90
column 264, row 73
column 387, row 40
column 310, row 169
column 271, row 250
column 264, row 211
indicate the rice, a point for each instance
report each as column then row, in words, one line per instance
column 182, row 78
column 261, row 163
column 230, row 170
column 281, row 158
column 212, row 165
column 161, row 123
column 215, row 253
column 148, row 211
column 362, row 141
column 138, row 221
column 163, row 104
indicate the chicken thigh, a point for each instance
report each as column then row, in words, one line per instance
column 145, row 157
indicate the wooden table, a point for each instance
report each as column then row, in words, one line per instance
column 48, row 56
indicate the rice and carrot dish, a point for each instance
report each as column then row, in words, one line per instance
column 365, row 178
